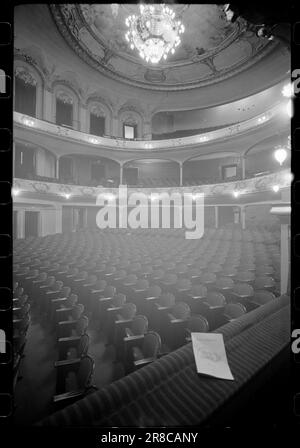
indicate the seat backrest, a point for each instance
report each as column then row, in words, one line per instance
column 245, row 276
column 65, row 292
column 198, row 323
column 72, row 300
column 128, row 310
column 19, row 292
column 119, row 299
column 50, row 280
column 215, row 298
column 170, row 278
column 92, row 279
column 77, row 311
column 199, row 291
column 208, row 277
column 224, row 282
column 154, row 291
column 82, row 325
column 100, row 284
column 234, row 310
column 120, row 274
column 139, row 325
column 262, row 297
column 109, row 291
column 167, row 299
column 151, row 344
column 85, row 372
column 183, row 284
column 181, row 310
column 142, row 284
column 243, row 289
column 23, row 299
column 83, row 345
column 264, row 281
column 130, row 279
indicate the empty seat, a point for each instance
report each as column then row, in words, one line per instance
column 196, row 324
column 74, row 379
column 147, row 351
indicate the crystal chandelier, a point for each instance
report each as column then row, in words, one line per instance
column 154, row 32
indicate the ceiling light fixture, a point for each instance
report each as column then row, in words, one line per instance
column 15, row 191
column 280, row 155
column 288, row 90
column 154, row 32
column 67, row 195
column 275, row 188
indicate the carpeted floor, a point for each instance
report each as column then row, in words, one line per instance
column 36, row 385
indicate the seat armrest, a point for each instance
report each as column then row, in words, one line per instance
column 214, row 307
column 116, row 308
column 69, row 339
column 67, row 362
column 162, row 308
column 105, row 299
column 150, row 299
column 61, row 299
column 177, row 321
column 122, row 322
column 61, row 310
column 67, row 322
column 135, row 338
column 143, row 362
column 68, row 396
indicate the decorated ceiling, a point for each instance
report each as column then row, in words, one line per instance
column 211, row 50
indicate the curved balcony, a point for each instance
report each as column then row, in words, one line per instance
column 149, row 145
column 264, row 183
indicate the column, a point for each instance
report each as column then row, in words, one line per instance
column 115, row 127
column 216, row 216
column 180, row 173
column 48, row 101
column 243, row 166
column 147, row 131
column 21, row 224
column 82, row 125
column 58, row 218
column 57, row 168
column 243, row 218
column 121, row 173
column 284, row 258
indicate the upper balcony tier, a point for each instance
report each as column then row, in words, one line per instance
column 276, row 113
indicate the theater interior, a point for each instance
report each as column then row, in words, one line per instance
column 103, row 318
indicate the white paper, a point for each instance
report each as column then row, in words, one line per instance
column 210, row 355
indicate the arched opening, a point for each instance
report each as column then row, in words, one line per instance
column 25, row 92
column 66, row 106
column 98, row 118
column 152, row 173
column 130, row 125
column 34, row 163
column 89, row 170
column 260, row 160
column 212, row 168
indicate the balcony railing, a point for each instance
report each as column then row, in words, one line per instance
column 282, row 179
column 150, row 145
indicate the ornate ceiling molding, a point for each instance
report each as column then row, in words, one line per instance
column 182, row 75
